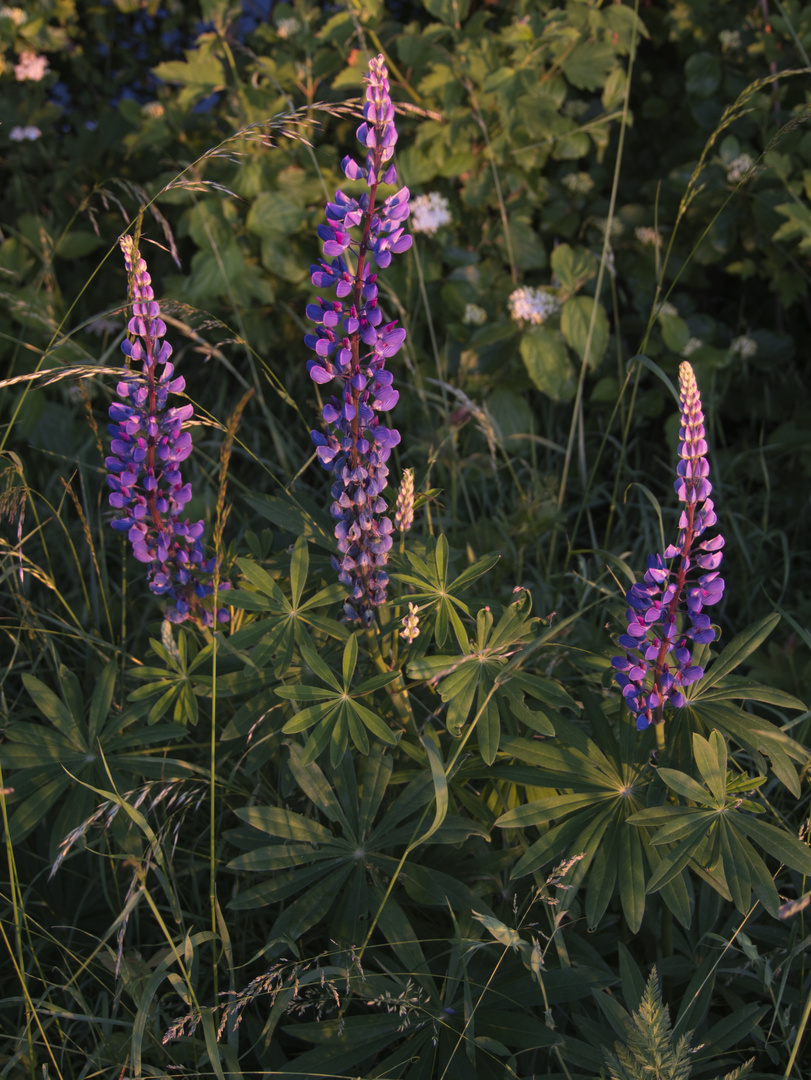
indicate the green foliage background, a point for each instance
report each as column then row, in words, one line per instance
column 290, row 846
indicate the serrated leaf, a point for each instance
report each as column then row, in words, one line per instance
column 576, row 319
column 547, row 363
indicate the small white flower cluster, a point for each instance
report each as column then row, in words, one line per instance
column 529, row 305
column 15, row 14
column 668, row 310
column 287, row 28
column 429, row 213
column 574, row 109
column 738, row 167
column 22, row 134
column 31, row 67
column 645, row 234
column 617, row 228
column 730, row 40
column 102, row 326
column 474, row 315
column 153, row 109
column 691, row 346
column 578, row 183
column 744, row 346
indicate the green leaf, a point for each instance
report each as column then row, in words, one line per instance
column 646, row 362
column 702, row 74
column 631, row 871
column 305, row 692
column 440, row 782
column 539, row 812
column 488, row 728
column 316, row 664
column 451, row 12
column 741, row 646
column 735, row 688
column 101, row 700
column 54, row 709
column 261, row 580
column 311, row 907
column 575, row 320
column 374, row 723
column 573, row 267
column 547, row 363
column 675, row 332
column 275, row 215
column 315, row 714
column 711, row 759
column 686, row 786
column 504, row 935
column 299, row 567
column 588, row 64
column 777, row 842
column 736, row 867
column 284, row 823
column 350, row 659
column 674, row 862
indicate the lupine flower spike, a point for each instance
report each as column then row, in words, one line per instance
column 666, row 611
column 351, row 345
column 404, row 506
column 148, row 446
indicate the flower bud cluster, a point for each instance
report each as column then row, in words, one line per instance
column 147, row 448
column 666, row 614
column 352, row 343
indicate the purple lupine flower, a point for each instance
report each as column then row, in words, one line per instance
column 666, row 610
column 148, row 445
column 351, row 344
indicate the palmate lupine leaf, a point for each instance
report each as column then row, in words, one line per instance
column 714, row 833
column 439, row 598
column 597, row 793
column 361, row 845
column 709, row 706
column 275, row 636
column 337, row 713
column 480, row 681
column 85, row 740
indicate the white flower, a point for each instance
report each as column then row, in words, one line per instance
column 579, row 183
column 528, row 305
column 691, row 346
column 668, row 310
column 17, row 15
column 152, row 109
column 429, row 213
column 21, row 134
column 286, row 28
column 411, row 624
column 738, row 167
column 730, row 40
column 617, row 228
column 574, row 109
column 102, row 326
column 647, row 235
column 744, row 346
column 31, row 67
column 474, row 315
